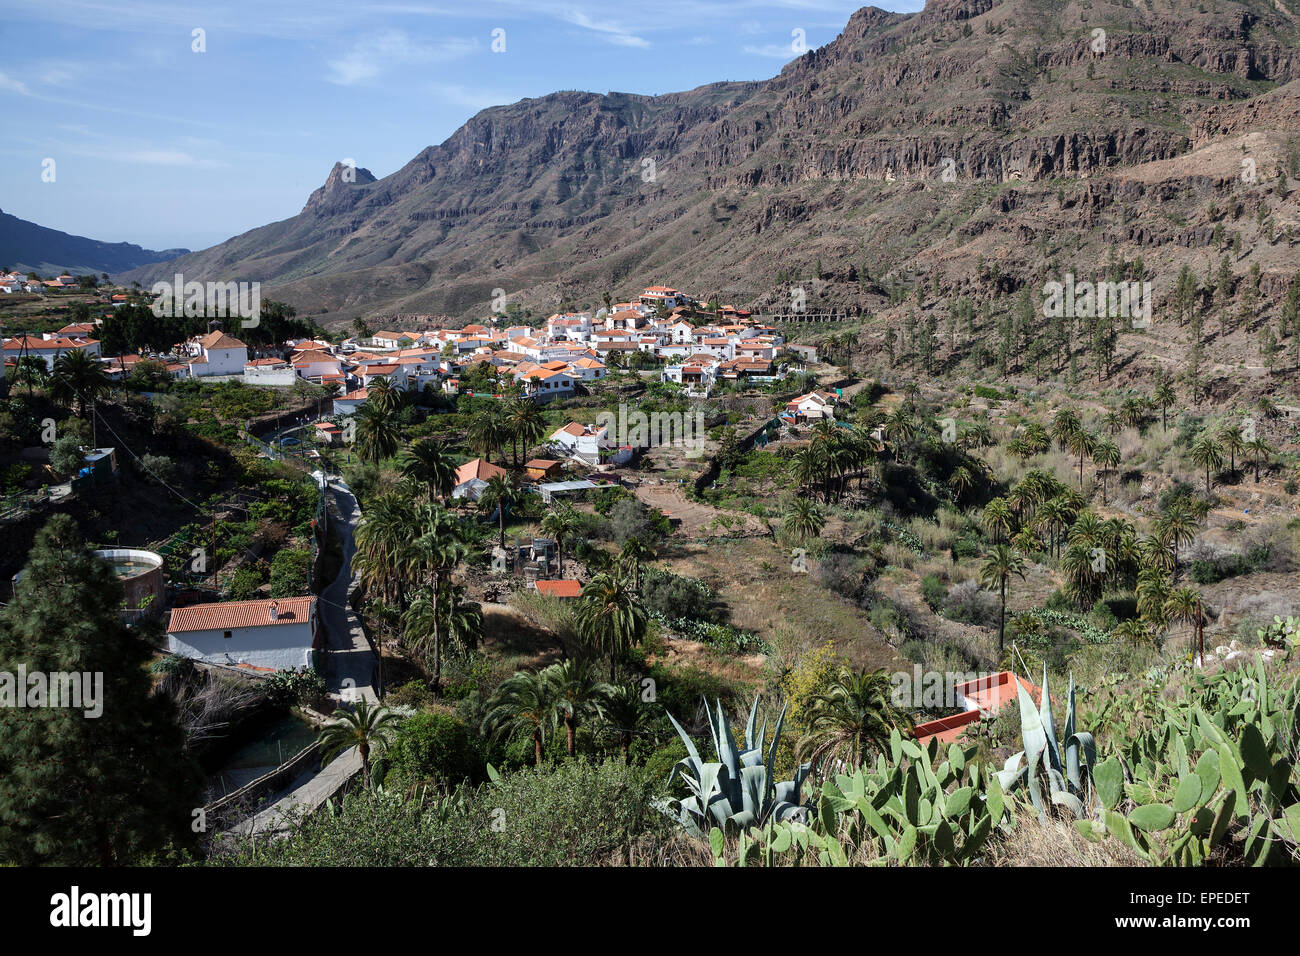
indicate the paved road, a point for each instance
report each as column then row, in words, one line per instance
column 350, row 674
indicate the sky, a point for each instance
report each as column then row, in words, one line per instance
column 172, row 125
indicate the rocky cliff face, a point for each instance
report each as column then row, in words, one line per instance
column 888, row 150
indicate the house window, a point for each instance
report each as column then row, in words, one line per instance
column 227, row 635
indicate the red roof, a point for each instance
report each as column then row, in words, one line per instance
column 560, row 589
column 229, row 615
column 478, row 468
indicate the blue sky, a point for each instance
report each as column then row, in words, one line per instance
column 162, row 146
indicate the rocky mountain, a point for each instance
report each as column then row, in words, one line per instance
column 27, row 247
column 1030, row 133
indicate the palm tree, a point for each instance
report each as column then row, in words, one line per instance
column 1175, row 528
column 576, row 694
column 625, row 712
column 1153, row 590
column 1064, row 424
column 960, row 481
column 998, row 519
column 634, row 554
column 488, row 431
column 377, row 435
column 383, row 395
column 610, row 617
column 1080, row 443
column 501, row 493
column 1133, row 411
column 560, row 523
column 524, row 702
column 1105, row 455
column 804, row 520
column 1134, row 631
column 78, row 379
column 1000, row 563
column 1184, row 604
column 383, row 538
column 1054, row 515
column 1234, row 443
column 432, row 465
column 1259, row 450
column 366, row 726
column 899, row 427
column 437, row 549
column 851, row 716
column 1164, row 396
column 808, row 464
column 525, row 425
column 1207, row 452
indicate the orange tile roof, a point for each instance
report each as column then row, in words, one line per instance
column 228, row 615
column 220, row 340
column 560, row 589
column 478, row 468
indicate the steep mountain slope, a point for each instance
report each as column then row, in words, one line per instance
column 1051, row 134
column 31, row 248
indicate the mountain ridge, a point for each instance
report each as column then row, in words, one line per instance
column 837, row 161
column 30, row 247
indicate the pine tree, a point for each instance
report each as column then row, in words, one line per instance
column 77, row 790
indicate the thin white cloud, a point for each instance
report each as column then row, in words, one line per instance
column 374, row 54
column 606, row 30
column 777, row 51
column 12, row 85
column 162, row 157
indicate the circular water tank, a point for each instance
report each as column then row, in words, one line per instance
column 141, row 574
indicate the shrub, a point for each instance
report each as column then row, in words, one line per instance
column 970, row 604
column 434, row 747
column 65, row 456
column 290, row 573
column 933, row 591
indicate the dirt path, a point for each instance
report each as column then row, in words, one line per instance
column 698, row 520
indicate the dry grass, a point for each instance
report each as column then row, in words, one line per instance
column 1056, row 843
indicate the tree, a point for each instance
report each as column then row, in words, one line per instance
column 1000, row 563
column 1207, row 452
column 1184, row 604
column 804, row 520
column 577, row 695
column 524, row 702
column 610, row 617
column 852, row 715
column 625, row 712
column 66, row 457
column 377, row 435
column 433, row 465
column 998, row 519
column 1105, row 455
column 368, row 727
column 78, row 380
column 76, row 789
column 633, row 555
column 1234, row 443
column 500, row 494
column 1259, row 450
column 561, row 523
column 437, row 549
column 525, row 425
column 1081, row 443
column 488, row 431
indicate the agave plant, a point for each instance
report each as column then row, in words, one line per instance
column 736, row 791
column 1067, row 769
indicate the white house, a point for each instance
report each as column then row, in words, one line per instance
column 813, row 406
column 216, row 354
column 473, row 476
column 544, row 384
column 588, row 443
column 349, row 403
column 269, row 635
column 313, row 363
column 29, row 346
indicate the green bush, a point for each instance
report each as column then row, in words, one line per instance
column 290, row 573
column 434, row 747
column 934, row 591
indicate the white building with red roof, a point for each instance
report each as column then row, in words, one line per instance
column 268, row 636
